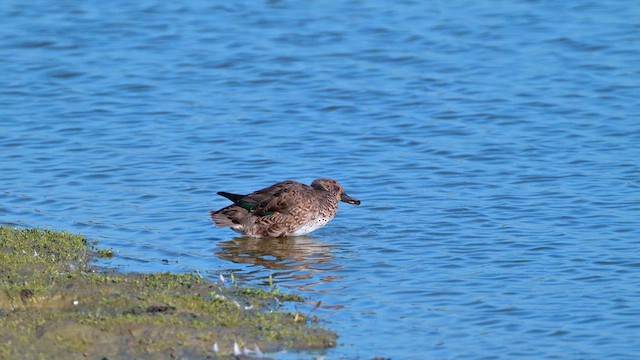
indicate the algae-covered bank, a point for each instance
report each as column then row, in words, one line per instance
column 55, row 305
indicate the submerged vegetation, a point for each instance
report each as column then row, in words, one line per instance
column 55, row 305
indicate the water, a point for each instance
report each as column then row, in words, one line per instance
column 494, row 146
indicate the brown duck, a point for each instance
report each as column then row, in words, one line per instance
column 288, row 208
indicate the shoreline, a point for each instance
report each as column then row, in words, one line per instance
column 55, row 304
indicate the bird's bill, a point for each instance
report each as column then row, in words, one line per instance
column 349, row 200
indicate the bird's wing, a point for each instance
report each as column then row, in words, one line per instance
column 279, row 202
column 275, row 199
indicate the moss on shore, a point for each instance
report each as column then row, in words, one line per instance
column 55, row 305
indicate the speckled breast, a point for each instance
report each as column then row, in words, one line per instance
column 312, row 225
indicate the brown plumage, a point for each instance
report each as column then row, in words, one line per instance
column 288, row 208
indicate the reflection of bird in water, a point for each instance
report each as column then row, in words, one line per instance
column 299, row 262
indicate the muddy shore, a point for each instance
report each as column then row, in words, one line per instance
column 54, row 304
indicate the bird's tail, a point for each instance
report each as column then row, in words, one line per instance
column 233, row 197
column 231, row 216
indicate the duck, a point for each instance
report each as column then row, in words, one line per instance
column 288, row 208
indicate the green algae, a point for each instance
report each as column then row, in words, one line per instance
column 104, row 253
column 54, row 304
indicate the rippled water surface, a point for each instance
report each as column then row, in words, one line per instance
column 494, row 146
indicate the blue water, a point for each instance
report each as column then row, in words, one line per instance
column 495, row 147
